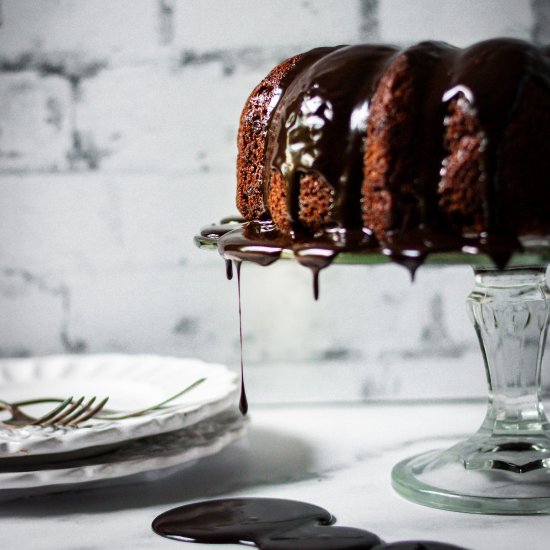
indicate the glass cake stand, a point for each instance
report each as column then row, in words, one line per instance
column 503, row 468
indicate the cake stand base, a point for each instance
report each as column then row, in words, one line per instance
column 441, row 479
column 504, row 468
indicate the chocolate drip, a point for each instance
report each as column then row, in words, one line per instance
column 262, row 243
column 315, row 257
column 229, row 269
column 315, row 274
column 243, row 401
column 272, row 524
column 257, row 242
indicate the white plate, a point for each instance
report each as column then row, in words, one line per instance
column 145, row 459
column 132, row 382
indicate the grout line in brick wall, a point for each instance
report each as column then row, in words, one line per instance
column 166, row 10
column 369, row 27
column 540, row 33
column 61, row 291
column 250, row 57
column 73, row 67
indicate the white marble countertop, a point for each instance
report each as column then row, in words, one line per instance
column 337, row 456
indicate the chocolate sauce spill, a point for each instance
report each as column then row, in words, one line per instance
column 418, row 545
column 243, row 401
column 272, row 524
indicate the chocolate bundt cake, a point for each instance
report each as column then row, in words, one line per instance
column 431, row 148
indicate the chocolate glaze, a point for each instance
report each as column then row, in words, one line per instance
column 319, row 125
column 262, row 243
column 272, row 524
column 428, row 62
column 277, row 114
column 474, row 72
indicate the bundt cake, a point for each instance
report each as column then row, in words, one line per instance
column 408, row 152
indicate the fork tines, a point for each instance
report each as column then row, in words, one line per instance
column 70, row 413
column 86, row 412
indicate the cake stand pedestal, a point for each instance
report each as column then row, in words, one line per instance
column 504, row 468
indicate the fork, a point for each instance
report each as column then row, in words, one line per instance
column 68, row 413
column 73, row 413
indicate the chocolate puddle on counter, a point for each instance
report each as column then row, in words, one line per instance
column 272, row 524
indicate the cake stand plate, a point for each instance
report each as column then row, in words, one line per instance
column 504, row 468
column 534, row 253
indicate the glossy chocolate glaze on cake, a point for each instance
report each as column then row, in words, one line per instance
column 492, row 77
column 399, row 152
column 254, row 143
column 319, row 125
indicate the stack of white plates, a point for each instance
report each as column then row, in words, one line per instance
column 199, row 423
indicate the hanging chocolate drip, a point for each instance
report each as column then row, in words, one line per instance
column 315, row 273
column 229, row 269
column 243, row 401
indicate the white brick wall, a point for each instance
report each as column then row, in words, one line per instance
column 216, row 24
column 118, row 123
column 28, row 100
column 460, row 23
column 120, row 30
